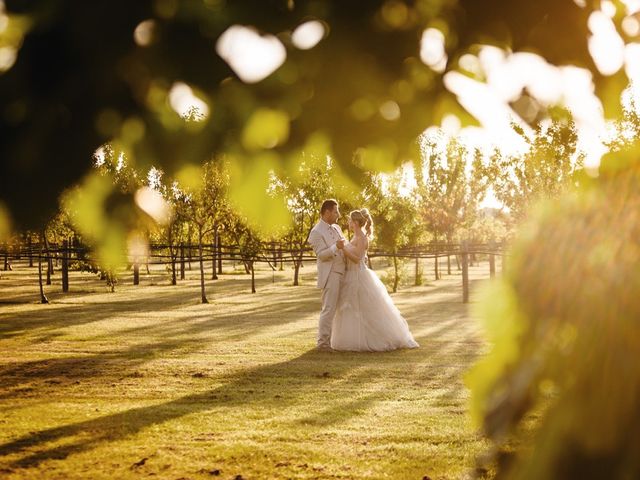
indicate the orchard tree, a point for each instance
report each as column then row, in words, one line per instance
column 546, row 169
column 394, row 216
column 451, row 183
column 247, row 239
column 202, row 201
column 304, row 193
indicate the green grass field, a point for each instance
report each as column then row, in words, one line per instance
column 148, row 382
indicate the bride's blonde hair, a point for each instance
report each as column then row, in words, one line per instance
column 363, row 218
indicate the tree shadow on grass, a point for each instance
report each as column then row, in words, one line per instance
column 196, row 332
column 303, row 375
column 48, row 322
column 310, row 374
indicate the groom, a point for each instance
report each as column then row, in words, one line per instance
column 327, row 241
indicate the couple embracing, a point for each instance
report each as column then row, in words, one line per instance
column 357, row 312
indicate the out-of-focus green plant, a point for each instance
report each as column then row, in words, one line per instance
column 564, row 323
column 368, row 86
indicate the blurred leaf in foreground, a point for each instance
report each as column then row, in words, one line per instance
column 565, row 323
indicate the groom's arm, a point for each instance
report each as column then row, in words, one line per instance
column 320, row 248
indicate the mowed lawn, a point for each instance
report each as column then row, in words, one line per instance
column 148, row 382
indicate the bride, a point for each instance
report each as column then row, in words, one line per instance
column 366, row 318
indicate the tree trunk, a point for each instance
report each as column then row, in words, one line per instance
column 296, row 269
column 436, row 270
column 253, row 278
column 182, row 261
column 214, row 275
column 204, row 296
column 396, row 278
column 448, row 264
column 172, row 257
column 136, row 271
column 418, row 280
column 43, row 297
column 275, row 254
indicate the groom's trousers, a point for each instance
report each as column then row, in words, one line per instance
column 330, row 295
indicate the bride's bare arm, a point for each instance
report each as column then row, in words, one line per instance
column 357, row 251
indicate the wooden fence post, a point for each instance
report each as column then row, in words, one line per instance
column 29, row 246
column 43, row 297
column 214, row 274
column 65, row 266
column 219, row 241
column 465, row 272
column 48, row 259
column 492, row 259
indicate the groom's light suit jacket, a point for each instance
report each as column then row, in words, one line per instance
column 323, row 238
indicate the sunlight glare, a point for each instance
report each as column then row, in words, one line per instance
column 605, row 45
column 144, row 33
column 631, row 26
column 390, row 111
column 137, row 246
column 151, row 202
column 471, row 64
column 507, row 76
column 489, row 107
column 608, row 8
column 432, row 51
column 632, row 6
column 308, row 35
column 99, row 157
column 253, row 57
column 451, row 124
column 184, row 102
column 632, row 62
column 8, row 56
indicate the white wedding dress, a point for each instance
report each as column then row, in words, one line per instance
column 366, row 319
